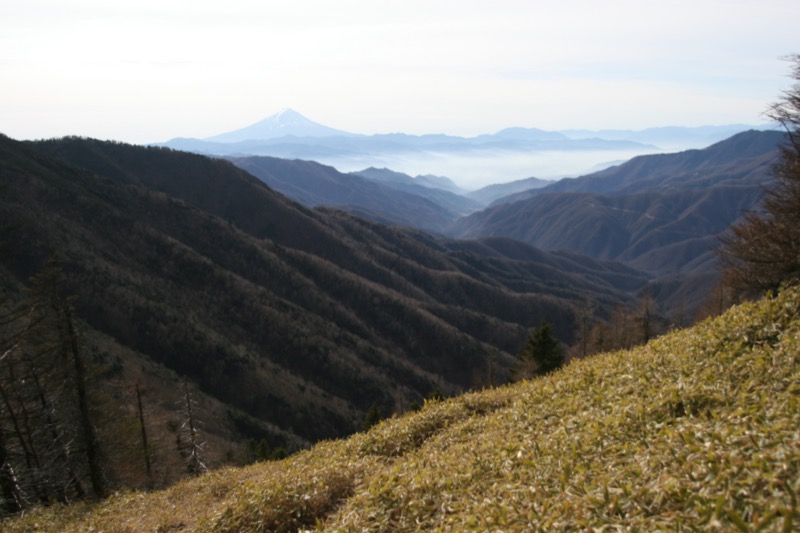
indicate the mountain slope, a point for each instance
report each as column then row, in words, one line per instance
column 641, row 230
column 298, row 318
column 696, row 430
column 313, row 184
column 660, row 214
column 438, row 190
column 491, row 193
column 738, row 160
column 640, row 211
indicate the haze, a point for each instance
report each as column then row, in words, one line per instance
column 147, row 71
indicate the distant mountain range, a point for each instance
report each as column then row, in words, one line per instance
column 290, row 135
column 667, row 138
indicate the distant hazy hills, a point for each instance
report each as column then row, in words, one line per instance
column 738, row 160
column 492, row 193
column 294, row 320
column 668, row 138
column 290, row 134
column 510, row 154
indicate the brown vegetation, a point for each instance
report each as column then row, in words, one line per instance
column 763, row 252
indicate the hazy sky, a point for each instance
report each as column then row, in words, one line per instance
column 146, row 71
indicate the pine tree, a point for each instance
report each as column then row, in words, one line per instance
column 541, row 354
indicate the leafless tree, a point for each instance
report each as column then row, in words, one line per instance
column 763, row 252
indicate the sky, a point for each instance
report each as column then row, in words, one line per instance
column 146, row 71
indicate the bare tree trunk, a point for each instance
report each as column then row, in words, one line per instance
column 9, row 487
column 192, row 447
column 63, row 448
column 29, row 451
column 145, row 444
column 89, row 433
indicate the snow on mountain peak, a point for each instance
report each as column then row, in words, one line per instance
column 285, row 122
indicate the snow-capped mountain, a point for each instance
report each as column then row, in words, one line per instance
column 285, row 122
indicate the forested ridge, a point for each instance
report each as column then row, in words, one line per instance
column 189, row 277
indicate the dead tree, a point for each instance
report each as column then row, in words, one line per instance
column 189, row 445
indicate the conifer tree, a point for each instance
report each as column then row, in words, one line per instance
column 541, row 354
column 372, row 417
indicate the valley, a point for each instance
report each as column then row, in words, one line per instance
column 660, row 214
column 290, row 299
column 290, row 323
column 508, row 266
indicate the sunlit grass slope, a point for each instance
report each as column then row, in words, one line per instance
column 698, row 430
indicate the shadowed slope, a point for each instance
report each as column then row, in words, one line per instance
column 698, row 429
column 299, row 318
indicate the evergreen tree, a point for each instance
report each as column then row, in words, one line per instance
column 542, row 353
column 372, row 417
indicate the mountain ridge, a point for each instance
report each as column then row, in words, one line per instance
column 662, row 214
column 507, row 155
column 298, row 319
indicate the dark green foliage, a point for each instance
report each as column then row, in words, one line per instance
column 436, row 395
column 372, row 417
column 259, row 450
column 541, row 354
column 763, row 252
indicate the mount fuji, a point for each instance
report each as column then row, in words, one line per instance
column 285, row 122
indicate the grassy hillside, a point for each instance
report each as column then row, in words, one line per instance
column 696, row 430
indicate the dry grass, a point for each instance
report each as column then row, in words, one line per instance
column 699, row 430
